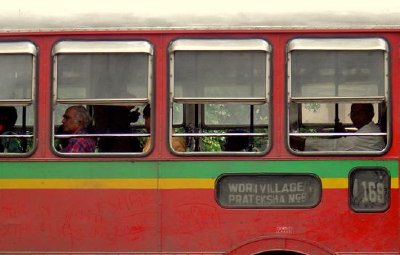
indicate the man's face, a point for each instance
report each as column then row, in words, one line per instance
column 360, row 115
column 69, row 121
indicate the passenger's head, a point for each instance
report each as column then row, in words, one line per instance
column 8, row 118
column 146, row 117
column 76, row 118
column 236, row 143
column 361, row 114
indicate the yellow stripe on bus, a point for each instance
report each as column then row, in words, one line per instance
column 187, row 183
column 335, row 183
column 343, row 183
column 164, row 183
column 394, row 183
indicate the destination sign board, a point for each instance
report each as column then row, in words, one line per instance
column 268, row 190
column 369, row 189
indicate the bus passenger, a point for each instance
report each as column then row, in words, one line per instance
column 237, row 143
column 361, row 115
column 110, row 119
column 8, row 117
column 178, row 143
column 76, row 120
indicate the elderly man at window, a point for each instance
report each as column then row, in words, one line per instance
column 76, row 120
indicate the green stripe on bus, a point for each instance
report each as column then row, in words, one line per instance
column 77, row 169
column 184, row 169
column 322, row 168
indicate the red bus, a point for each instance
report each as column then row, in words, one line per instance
column 244, row 128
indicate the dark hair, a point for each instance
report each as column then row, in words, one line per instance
column 368, row 107
column 8, row 116
column 146, row 111
column 236, row 143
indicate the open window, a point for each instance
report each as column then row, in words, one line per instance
column 17, row 98
column 219, row 96
column 112, row 81
column 338, row 97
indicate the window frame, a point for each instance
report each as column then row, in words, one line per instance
column 339, row 44
column 21, row 48
column 218, row 45
column 102, row 47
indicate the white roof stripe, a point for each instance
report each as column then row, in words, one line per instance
column 45, row 15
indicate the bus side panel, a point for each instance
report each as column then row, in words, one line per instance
column 78, row 220
column 192, row 221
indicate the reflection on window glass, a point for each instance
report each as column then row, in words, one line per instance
column 337, row 73
column 16, row 76
column 219, row 74
column 177, row 118
column 88, row 76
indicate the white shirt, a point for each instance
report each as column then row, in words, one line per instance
column 349, row 143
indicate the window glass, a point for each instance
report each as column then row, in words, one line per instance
column 235, row 114
column 216, row 74
column 323, row 113
column 337, row 73
column 93, row 76
column 16, row 76
column 178, row 111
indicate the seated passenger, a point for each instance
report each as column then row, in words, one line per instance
column 76, row 120
column 8, row 117
column 178, row 143
column 110, row 119
column 237, row 143
column 361, row 115
column 60, row 143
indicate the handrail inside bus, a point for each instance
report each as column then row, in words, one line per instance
column 100, row 135
column 104, row 101
column 217, row 134
column 199, row 100
column 370, row 99
column 337, row 134
column 16, row 136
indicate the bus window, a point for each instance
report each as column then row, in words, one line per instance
column 17, row 99
column 112, row 80
column 219, row 90
column 338, row 98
